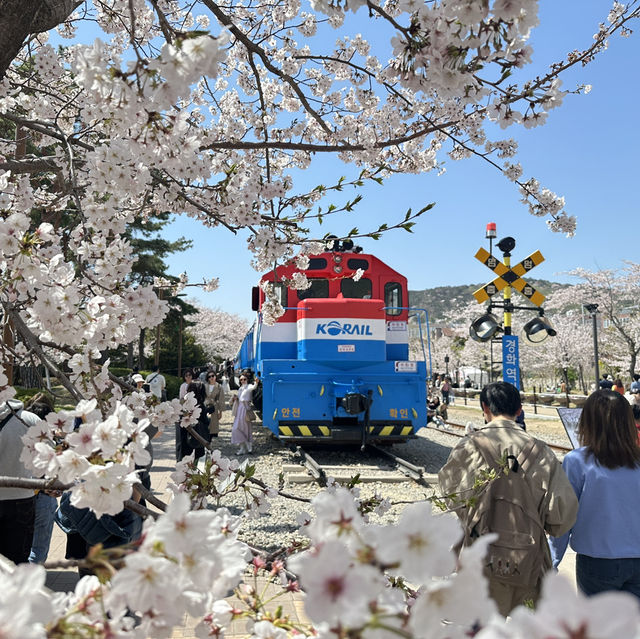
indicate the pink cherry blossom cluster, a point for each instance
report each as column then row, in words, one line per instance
column 356, row 576
column 218, row 332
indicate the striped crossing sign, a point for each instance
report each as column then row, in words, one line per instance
column 509, row 276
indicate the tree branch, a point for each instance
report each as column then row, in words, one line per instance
column 33, row 165
column 253, row 480
column 32, row 341
column 21, row 18
column 253, row 47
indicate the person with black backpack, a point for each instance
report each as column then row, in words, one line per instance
column 530, row 495
column 17, row 505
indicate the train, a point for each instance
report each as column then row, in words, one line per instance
column 335, row 366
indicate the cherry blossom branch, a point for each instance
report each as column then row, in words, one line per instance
column 150, row 497
column 167, row 30
column 252, row 480
column 253, row 47
column 32, row 341
column 43, row 127
column 139, row 509
column 30, row 165
column 32, row 483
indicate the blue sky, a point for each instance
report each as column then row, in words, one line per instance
column 587, row 151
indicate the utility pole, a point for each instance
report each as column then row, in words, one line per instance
column 593, row 309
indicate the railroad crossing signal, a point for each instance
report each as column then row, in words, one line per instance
column 509, row 276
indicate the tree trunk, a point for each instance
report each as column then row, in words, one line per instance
column 130, row 355
column 20, row 18
column 180, row 347
column 582, row 382
column 141, row 360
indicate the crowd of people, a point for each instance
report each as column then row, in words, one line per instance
column 499, row 478
column 27, row 518
column 212, row 393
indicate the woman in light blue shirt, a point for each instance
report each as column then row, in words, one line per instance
column 605, row 473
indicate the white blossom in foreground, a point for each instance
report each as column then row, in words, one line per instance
column 25, row 608
column 564, row 614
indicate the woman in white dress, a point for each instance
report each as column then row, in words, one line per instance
column 243, row 414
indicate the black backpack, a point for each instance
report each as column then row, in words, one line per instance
column 5, row 421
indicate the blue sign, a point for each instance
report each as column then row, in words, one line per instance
column 511, row 360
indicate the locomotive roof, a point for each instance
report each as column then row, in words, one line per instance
column 376, row 265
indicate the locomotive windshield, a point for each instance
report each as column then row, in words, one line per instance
column 360, row 289
column 318, row 288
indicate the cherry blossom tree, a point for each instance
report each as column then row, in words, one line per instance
column 213, row 110
column 616, row 294
column 219, row 333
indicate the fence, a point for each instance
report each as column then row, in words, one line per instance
column 534, row 398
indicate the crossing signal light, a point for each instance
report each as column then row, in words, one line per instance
column 538, row 329
column 483, row 328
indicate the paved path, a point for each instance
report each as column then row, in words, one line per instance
column 164, row 464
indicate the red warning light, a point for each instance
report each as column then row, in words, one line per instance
column 491, row 231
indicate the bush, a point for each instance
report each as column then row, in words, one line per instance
column 25, row 394
column 120, row 371
column 173, row 385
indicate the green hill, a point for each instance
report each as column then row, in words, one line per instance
column 441, row 299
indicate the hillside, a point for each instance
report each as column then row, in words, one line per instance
column 440, row 299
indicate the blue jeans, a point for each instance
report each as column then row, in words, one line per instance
column 46, row 507
column 600, row 575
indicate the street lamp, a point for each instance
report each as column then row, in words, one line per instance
column 593, row 309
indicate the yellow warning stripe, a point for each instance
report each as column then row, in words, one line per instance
column 491, row 261
column 529, row 292
column 303, row 430
column 528, row 263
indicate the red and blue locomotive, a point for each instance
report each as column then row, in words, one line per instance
column 335, row 367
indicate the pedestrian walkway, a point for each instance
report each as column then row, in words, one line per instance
column 62, row 580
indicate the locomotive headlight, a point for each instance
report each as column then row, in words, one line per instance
column 337, row 259
column 337, row 268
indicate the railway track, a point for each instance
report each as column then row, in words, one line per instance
column 394, row 469
column 397, row 469
column 461, row 427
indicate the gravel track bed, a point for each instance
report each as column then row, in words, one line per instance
column 279, row 528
